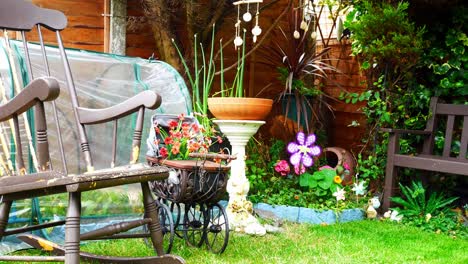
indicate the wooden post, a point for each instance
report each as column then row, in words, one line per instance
column 106, row 16
column 118, row 26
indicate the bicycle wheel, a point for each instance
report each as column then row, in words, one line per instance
column 176, row 212
column 217, row 233
column 195, row 222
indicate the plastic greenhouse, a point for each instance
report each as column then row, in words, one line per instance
column 101, row 80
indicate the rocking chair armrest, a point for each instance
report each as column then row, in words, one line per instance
column 405, row 131
column 147, row 99
column 41, row 89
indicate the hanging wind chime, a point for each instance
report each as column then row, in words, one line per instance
column 247, row 17
column 306, row 14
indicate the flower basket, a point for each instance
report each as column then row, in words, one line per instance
column 192, row 181
column 179, row 143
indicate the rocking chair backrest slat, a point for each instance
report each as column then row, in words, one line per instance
column 45, row 62
column 84, row 143
column 20, row 167
column 26, row 55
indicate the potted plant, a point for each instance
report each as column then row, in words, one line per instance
column 300, row 66
column 232, row 104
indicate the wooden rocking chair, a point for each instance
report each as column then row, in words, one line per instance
column 22, row 16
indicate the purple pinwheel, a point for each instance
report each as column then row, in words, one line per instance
column 303, row 151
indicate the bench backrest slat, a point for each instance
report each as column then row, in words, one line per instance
column 464, row 139
column 452, row 109
column 448, row 136
column 456, row 123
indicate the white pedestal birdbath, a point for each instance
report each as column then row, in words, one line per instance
column 239, row 210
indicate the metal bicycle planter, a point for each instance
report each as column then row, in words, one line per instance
column 189, row 203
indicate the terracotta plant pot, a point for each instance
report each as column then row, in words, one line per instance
column 339, row 156
column 239, row 108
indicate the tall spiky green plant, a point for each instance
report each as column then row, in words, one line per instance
column 416, row 203
column 201, row 79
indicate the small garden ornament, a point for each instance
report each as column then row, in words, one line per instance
column 371, row 212
column 375, row 202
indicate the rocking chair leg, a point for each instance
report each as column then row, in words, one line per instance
column 4, row 213
column 152, row 212
column 72, row 229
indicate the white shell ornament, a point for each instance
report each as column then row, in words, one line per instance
column 313, row 35
column 303, row 25
column 247, row 17
column 238, row 41
column 256, row 31
column 296, row 34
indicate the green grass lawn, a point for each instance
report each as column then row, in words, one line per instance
column 355, row 242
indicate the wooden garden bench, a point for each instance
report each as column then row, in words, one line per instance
column 441, row 114
column 40, row 93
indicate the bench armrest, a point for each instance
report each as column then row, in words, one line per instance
column 147, row 99
column 405, row 131
column 41, row 89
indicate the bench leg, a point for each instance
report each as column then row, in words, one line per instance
column 4, row 214
column 72, row 229
column 151, row 211
column 390, row 170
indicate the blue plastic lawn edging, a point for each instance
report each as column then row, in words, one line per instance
column 308, row 215
column 312, row 216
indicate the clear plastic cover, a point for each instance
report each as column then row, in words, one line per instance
column 101, row 80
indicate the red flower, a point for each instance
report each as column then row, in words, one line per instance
column 168, row 141
column 182, row 138
column 173, row 124
column 163, row 152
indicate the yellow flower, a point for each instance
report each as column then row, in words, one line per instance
column 337, row 179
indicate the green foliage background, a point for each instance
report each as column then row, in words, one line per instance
column 405, row 64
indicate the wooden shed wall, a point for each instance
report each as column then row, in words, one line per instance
column 348, row 78
column 86, row 31
column 85, row 28
column 140, row 41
